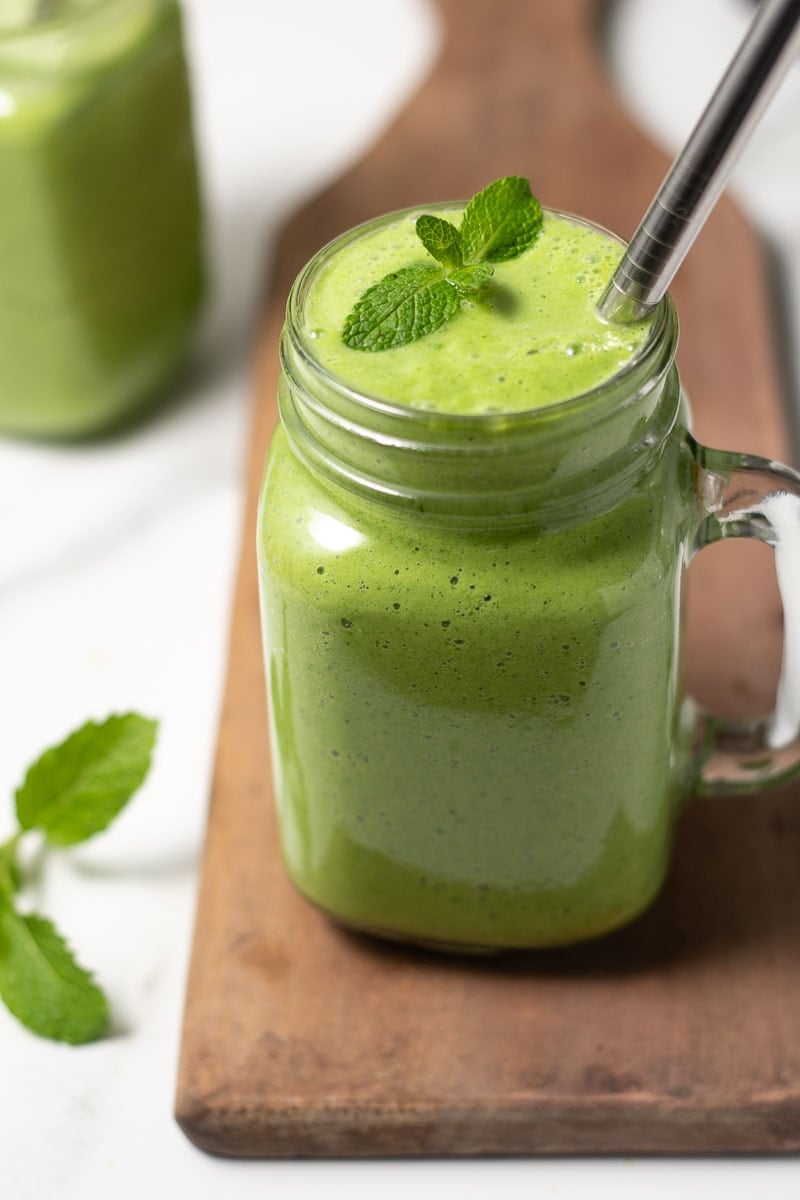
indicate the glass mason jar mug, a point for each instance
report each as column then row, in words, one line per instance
column 473, row 636
column 100, row 241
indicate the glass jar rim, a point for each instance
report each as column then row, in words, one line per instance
column 654, row 355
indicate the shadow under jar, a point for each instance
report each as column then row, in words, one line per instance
column 473, row 629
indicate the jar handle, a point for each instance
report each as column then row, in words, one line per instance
column 745, row 496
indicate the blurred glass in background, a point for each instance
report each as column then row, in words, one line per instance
column 101, row 271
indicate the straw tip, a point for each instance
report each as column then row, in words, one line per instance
column 618, row 308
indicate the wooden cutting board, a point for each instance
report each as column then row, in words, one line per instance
column 681, row 1033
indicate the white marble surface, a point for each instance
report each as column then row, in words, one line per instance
column 116, row 571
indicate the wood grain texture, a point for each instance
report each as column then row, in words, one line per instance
column 681, row 1032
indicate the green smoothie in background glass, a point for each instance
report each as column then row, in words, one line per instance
column 101, row 273
column 472, row 550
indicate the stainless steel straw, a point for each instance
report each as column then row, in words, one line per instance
column 700, row 171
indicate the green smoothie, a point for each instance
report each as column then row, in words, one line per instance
column 532, row 338
column 100, row 238
column 476, row 714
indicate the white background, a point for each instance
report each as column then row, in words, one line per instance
column 116, row 572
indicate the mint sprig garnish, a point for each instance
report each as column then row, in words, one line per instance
column 499, row 223
column 71, row 793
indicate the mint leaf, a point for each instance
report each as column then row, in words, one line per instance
column 501, row 221
column 441, row 239
column 9, row 871
column 43, row 985
column 403, row 307
column 469, row 280
column 77, row 788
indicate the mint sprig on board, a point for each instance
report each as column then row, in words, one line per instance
column 70, row 794
column 498, row 224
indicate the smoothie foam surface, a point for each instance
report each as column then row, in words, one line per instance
column 532, row 339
